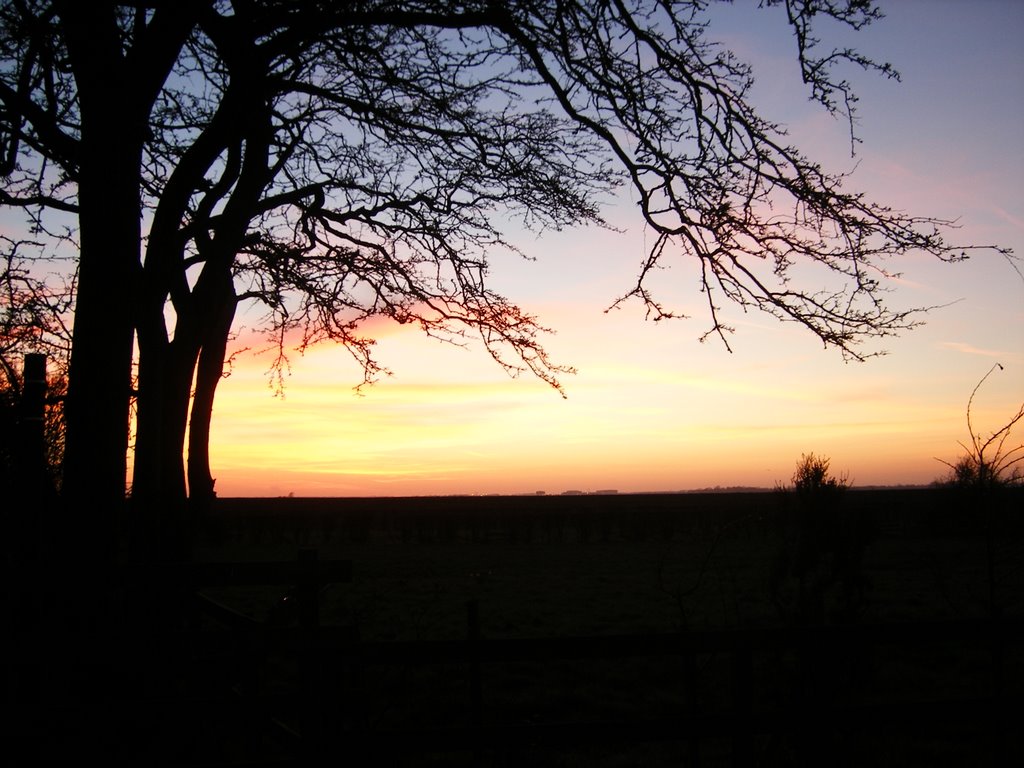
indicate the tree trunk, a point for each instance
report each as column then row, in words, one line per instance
column 208, row 376
column 99, row 386
column 203, row 314
column 167, row 371
column 117, row 86
column 158, row 483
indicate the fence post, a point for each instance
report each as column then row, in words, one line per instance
column 743, row 695
column 19, row 527
column 31, row 449
column 475, row 685
column 999, row 699
column 308, row 589
column 692, row 704
column 23, row 520
column 312, row 700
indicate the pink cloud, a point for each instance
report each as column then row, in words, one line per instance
column 969, row 349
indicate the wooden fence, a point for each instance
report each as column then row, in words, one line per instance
column 739, row 721
column 311, row 707
column 142, row 689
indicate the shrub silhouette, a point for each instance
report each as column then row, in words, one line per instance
column 813, row 478
column 820, row 562
column 987, row 463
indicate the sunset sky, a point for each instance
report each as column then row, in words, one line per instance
column 651, row 408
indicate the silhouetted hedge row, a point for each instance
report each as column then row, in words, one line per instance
column 593, row 518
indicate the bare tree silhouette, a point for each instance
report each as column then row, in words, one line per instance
column 988, row 462
column 337, row 162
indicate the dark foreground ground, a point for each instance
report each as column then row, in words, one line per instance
column 639, row 563
column 875, row 628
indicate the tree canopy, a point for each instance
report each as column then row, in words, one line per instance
column 341, row 161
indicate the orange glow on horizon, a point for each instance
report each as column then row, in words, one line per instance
column 631, row 428
column 651, row 408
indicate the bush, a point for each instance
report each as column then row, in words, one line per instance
column 812, row 476
column 987, row 463
column 819, row 569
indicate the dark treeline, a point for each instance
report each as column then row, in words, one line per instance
column 585, row 518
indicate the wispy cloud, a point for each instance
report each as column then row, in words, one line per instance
column 1009, row 218
column 970, row 349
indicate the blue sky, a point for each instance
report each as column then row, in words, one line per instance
column 651, row 408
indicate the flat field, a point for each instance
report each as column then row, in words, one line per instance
column 545, row 566
column 653, row 565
